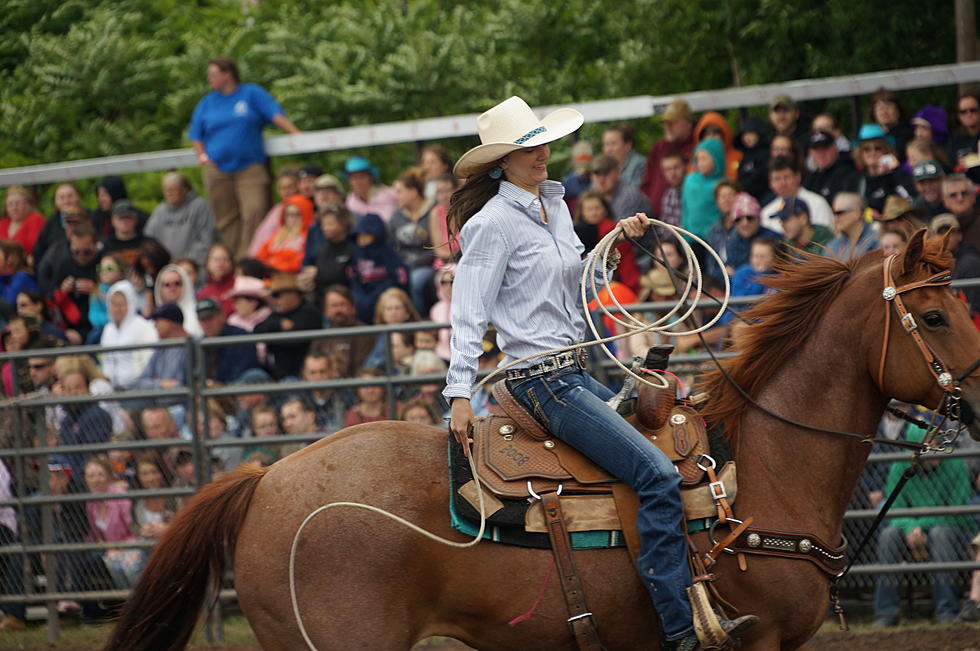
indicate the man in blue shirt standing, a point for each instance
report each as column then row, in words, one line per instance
column 226, row 132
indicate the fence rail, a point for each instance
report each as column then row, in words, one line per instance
column 43, row 583
column 454, row 126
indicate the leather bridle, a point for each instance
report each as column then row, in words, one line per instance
column 893, row 295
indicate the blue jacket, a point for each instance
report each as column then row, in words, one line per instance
column 229, row 362
column 14, row 283
column 373, row 268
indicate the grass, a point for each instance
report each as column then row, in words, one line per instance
column 236, row 628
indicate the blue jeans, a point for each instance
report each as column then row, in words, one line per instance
column 944, row 546
column 571, row 403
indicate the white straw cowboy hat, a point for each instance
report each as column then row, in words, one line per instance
column 513, row 125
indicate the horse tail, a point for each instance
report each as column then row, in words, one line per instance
column 162, row 610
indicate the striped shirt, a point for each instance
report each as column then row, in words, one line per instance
column 519, row 273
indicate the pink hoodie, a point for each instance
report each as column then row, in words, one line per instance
column 441, row 312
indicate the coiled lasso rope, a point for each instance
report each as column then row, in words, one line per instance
column 632, row 326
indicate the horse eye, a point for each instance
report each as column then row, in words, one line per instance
column 934, row 319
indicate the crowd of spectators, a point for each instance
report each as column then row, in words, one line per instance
column 346, row 250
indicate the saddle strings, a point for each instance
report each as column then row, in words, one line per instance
column 631, row 324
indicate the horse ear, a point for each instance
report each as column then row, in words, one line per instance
column 913, row 251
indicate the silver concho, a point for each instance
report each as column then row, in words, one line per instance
column 888, row 293
column 678, row 419
column 507, row 431
column 549, row 444
column 945, row 379
column 806, row 545
column 753, row 540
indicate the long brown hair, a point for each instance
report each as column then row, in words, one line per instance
column 468, row 200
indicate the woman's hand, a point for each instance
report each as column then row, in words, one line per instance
column 636, row 225
column 461, row 421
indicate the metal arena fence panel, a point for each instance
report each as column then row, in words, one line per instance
column 72, row 544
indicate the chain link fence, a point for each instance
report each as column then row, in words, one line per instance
column 90, row 477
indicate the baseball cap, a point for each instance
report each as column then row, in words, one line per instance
column 791, row 207
column 328, row 181
column 927, row 169
column 603, row 164
column 310, row 170
column 168, row 311
column 943, row 221
column 821, row 140
column 782, row 102
column 678, row 110
column 207, row 307
column 123, row 208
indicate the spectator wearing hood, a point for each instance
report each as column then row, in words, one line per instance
column 753, row 142
column 21, row 222
column 374, row 266
column 833, row 173
column 933, row 123
column 714, row 125
column 678, row 120
column 125, row 327
column 698, row 209
column 183, row 223
column 287, row 184
column 110, row 190
column 174, row 285
column 367, row 195
column 617, row 141
column 285, row 249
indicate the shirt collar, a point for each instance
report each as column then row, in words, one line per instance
column 547, row 189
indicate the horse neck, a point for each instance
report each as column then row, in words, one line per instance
column 796, row 479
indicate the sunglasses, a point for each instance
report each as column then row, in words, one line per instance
column 80, row 252
column 108, row 267
column 446, row 281
column 973, row 109
column 174, row 283
column 962, row 194
column 275, row 294
column 39, row 366
column 743, row 218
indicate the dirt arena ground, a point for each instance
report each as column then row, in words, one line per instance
column 915, row 637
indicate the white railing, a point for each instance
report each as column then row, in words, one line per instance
column 626, row 108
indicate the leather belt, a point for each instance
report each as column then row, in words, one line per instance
column 557, row 362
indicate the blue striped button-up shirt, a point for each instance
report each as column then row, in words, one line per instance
column 519, row 273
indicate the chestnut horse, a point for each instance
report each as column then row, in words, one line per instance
column 364, row 582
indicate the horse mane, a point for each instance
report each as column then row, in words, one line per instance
column 806, row 285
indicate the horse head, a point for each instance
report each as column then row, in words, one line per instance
column 930, row 345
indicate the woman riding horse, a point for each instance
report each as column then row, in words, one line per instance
column 521, row 269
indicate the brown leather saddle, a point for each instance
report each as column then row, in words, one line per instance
column 516, row 457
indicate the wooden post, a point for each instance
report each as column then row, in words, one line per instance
column 966, row 36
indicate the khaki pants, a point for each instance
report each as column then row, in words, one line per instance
column 239, row 201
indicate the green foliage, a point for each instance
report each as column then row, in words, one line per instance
column 85, row 78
